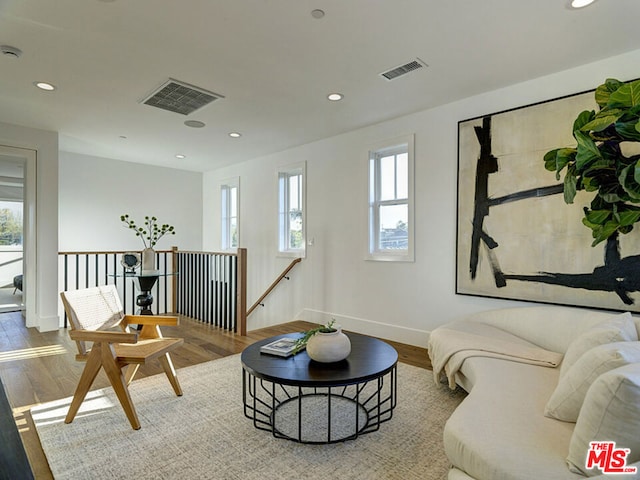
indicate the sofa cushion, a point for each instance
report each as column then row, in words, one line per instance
column 567, row 398
column 499, row 431
column 610, row 413
column 619, row 328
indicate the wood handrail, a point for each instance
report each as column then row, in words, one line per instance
column 109, row 252
column 273, row 285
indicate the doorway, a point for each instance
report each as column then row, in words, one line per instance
column 18, row 232
column 12, row 174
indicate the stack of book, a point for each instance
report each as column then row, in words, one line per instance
column 283, row 347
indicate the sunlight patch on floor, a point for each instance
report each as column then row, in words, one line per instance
column 34, row 352
column 94, row 403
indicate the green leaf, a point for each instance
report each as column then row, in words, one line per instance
column 610, row 197
column 583, row 118
column 602, row 232
column 629, row 130
column 636, row 171
column 570, row 182
column 628, row 179
column 598, row 124
column 590, row 184
column 600, row 166
column 597, row 217
column 556, row 160
column 587, row 151
column 628, row 217
column 603, row 92
column 638, row 126
column 628, row 95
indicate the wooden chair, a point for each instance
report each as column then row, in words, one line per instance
column 96, row 315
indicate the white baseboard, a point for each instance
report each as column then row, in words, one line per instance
column 386, row 331
column 48, row 324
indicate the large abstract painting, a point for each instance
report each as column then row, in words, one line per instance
column 516, row 237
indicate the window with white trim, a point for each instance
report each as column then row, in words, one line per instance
column 291, row 208
column 391, row 201
column 229, row 192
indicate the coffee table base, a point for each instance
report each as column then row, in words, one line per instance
column 319, row 415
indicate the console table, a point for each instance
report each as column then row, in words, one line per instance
column 146, row 281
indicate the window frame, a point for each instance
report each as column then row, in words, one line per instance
column 284, row 210
column 376, row 153
column 226, row 240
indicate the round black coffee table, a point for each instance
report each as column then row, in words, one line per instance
column 299, row 399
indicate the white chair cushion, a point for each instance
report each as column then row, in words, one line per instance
column 610, row 413
column 499, row 432
column 619, row 328
column 567, row 398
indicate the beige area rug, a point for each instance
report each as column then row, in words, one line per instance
column 205, row 435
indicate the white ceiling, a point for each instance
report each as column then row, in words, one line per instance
column 274, row 64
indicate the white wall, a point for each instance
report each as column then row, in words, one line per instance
column 45, row 144
column 94, row 192
column 398, row 301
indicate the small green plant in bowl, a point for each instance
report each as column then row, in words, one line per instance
column 302, row 341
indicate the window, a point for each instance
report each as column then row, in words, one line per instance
column 291, row 187
column 229, row 214
column 391, row 201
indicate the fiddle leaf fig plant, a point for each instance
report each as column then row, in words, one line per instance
column 605, row 160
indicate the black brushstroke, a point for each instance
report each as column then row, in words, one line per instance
column 617, row 275
column 487, row 164
column 524, row 194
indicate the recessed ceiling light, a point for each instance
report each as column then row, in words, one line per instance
column 235, row 135
column 317, row 13
column 45, row 86
column 180, row 156
column 334, row 97
column 194, row 123
column 581, row 3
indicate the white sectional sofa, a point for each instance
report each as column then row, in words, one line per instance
column 504, row 429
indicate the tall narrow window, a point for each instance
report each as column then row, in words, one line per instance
column 291, row 186
column 229, row 214
column 391, row 201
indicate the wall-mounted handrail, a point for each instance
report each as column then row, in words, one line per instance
column 273, row 285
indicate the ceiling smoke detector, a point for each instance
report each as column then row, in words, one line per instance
column 401, row 70
column 179, row 97
column 194, row 123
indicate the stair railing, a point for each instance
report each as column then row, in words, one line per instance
column 212, row 287
column 207, row 286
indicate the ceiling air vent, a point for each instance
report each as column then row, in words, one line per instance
column 180, row 97
column 403, row 69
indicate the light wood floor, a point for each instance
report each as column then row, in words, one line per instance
column 40, row 367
